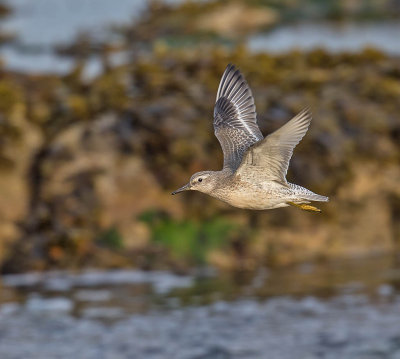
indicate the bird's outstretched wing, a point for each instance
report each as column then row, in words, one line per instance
column 269, row 158
column 235, row 122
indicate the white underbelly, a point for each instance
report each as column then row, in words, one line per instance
column 258, row 203
column 267, row 196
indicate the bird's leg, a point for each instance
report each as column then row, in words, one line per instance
column 305, row 207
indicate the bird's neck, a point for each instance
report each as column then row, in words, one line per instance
column 221, row 177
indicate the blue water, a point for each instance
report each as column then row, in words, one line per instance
column 39, row 25
column 49, row 22
column 350, row 37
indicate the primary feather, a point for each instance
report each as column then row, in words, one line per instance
column 235, row 122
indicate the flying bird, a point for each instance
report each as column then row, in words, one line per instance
column 254, row 170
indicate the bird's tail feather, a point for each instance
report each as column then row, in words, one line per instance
column 316, row 197
column 306, row 194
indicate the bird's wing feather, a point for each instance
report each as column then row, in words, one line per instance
column 235, row 122
column 270, row 157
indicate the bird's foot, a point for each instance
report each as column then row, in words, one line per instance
column 305, row 207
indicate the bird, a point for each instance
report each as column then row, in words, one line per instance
column 254, row 168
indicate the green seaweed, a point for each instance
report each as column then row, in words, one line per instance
column 188, row 239
column 111, row 238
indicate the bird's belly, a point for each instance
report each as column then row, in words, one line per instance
column 253, row 197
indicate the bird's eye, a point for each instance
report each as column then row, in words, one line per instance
column 200, row 179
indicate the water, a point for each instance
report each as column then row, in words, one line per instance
column 95, row 293
column 351, row 37
column 134, row 291
column 348, row 310
column 49, row 22
column 41, row 24
column 283, row 328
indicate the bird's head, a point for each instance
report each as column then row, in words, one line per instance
column 203, row 181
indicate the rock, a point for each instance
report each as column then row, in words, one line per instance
column 233, row 19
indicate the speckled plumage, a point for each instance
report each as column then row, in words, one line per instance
column 255, row 168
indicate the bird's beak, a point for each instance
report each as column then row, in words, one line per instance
column 184, row 188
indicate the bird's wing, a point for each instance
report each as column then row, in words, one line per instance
column 235, row 122
column 270, row 157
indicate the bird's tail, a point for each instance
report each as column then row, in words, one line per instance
column 306, row 196
column 316, row 197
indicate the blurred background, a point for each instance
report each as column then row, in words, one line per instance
column 106, row 107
